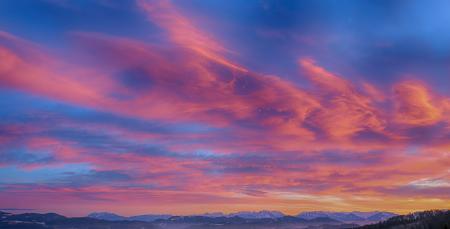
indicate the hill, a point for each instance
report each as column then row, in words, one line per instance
column 418, row 220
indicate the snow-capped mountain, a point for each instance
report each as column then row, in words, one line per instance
column 257, row 215
column 312, row 215
column 381, row 216
column 106, row 216
column 114, row 217
column 246, row 214
column 212, row 214
column 347, row 216
column 426, row 219
column 148, row 218
column 339, row 216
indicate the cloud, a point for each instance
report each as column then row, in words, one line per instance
column 184, row 33
column 415, row 105
column 430, row 183
column 94, row 177
column 32, row 70
column 182, row 122
column 11, row 156
column 345, row 111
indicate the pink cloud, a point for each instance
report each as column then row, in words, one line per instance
column 333, row 141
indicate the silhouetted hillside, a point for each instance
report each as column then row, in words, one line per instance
column 36, row 217
column 439, row 219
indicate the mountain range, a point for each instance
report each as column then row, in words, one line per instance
column 153, row 217
column 354, row 216
column 55, row 221
column 114, row 217
column 359, row 217
column 239, row 220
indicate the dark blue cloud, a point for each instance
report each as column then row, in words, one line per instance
column 22, row 156
column 135, row 79
column 20, row 108
column 94, row 177
column 58, row 17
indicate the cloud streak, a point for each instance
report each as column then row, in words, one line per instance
column 184, row 124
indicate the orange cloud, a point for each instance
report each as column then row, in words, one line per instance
column 415, row 105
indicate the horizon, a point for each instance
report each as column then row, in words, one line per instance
column 171, row 106
column 195, row 214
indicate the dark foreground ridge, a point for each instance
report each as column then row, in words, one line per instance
column 417, row 220
column 247, row 220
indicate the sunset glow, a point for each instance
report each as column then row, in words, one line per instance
column 184, row 107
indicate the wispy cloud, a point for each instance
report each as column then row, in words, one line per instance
column 164, row 112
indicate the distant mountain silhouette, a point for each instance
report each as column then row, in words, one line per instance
column 114, row 217
column 148, row 218
column 106, row 216
column 271, row 220
column 381, row 216
column 348, row 216
column 4, row 214
column 258, row 215
column 36, row 217
column 264, row 214
column 239, row 220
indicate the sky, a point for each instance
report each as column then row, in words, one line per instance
column 186, row 107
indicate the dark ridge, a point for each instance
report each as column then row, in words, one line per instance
column 323, row 220
column 35, row 217
column 426, row 219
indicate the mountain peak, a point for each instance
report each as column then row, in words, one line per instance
column 212, row 214
column 258, row 214
column 114, row 217
column 347, row 216
column 106, row 216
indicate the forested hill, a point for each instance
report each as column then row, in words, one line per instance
column 439, row 219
